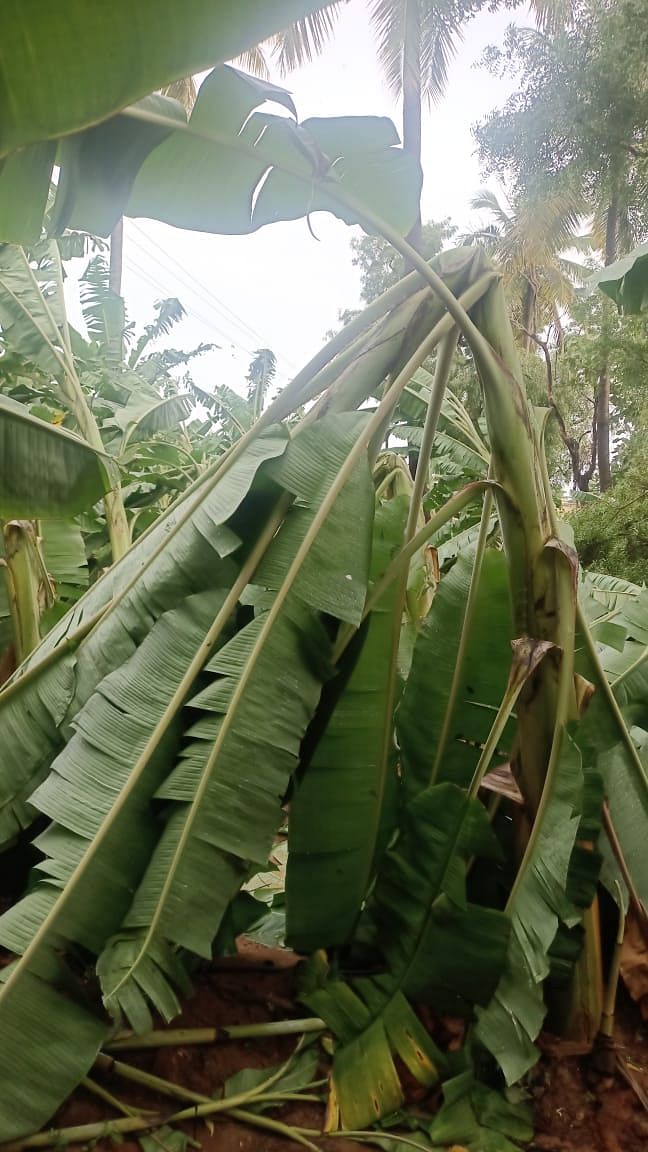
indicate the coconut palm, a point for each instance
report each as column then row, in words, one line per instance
column 528, row 239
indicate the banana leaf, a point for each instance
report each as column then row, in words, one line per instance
column 423, row 712
column 434, row 943
column 343, row 810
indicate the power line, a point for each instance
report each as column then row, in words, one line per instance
column 206, row 295
column 219, row 304
column 210, row 323
column 161, row 288
column 144, row 275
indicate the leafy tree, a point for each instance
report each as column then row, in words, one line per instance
column 578, row 120
column 611, row 531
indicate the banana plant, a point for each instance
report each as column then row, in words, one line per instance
column 34, row 322
column 283, row 555
column 52, row 381
column 247, row 649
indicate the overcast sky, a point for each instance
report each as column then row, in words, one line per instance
column 279, row 287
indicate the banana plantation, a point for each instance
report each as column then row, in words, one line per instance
column 323, row 753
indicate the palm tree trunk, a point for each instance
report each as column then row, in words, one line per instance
column 412, row 97
column 603, row 387
column 528, row 315
column 116, row 257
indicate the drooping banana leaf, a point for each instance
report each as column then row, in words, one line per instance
column 124, row 745
column 542, row 900
column 227, row 788
column 343, row 809
column 422, row 716
column 168, row 45
column 232, row 168
column 625, row 281
column 102, row 832
column 225, row 796
column 180, row 555
column 614, row 658
column 434, row 943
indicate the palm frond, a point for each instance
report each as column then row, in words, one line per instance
column 184, row 91
column 305, row 39
column 486, row 201
column 440, row 33
column 254, row 61
column 552, row 15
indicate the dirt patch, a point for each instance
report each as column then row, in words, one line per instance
column 585, row 1103
column 578, row 1108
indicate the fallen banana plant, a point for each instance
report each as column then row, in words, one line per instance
column 255, row 644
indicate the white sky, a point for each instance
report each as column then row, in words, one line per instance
column 279, row 287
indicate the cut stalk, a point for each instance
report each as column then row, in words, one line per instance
column 174, row 1037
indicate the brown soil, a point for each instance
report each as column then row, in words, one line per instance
column 578, row 1109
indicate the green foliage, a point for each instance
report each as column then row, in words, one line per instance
column 38, row 50
column 480, row 1118
column 442, row 726
column 579, row 109
column 431, row 940
column 625, row 281
column 46, row 471
column 611, row 530
column 233, row 168
column 343, row 811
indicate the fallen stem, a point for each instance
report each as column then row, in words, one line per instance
column 83, row 1133
column 108, row 1098
column 111, row 1067
column 176, row 1037
column 297, row 1135
column 373, row 1137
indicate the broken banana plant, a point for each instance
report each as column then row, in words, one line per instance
column 269, row 637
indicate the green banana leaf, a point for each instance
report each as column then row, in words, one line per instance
column 625, row 281
column 479, row 1118
column 227, row 788
column 233, row 168
column 124, row 748
column 423, row 712
column 543, row 899
column 433, row 941
column 185, row 552
column 95, row 851
column 613, row 731
column 343, row 810
column 46, row 470
column 32, row 306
